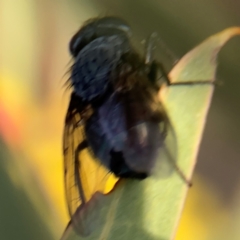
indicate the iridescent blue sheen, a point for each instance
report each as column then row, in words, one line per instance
column 94, row 65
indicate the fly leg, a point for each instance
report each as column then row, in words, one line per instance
column 156, row 71
column 159, row 76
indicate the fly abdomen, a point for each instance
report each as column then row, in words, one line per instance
column 128, row 150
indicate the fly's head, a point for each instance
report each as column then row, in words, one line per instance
column 95, row 28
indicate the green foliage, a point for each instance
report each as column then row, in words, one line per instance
column 20, row 218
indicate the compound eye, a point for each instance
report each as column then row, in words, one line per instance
column 115, row 23
column 79, row 40
column 96, row 28
column 73, row 45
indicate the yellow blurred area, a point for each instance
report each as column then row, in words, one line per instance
column 34, row 53
column 32, row 94
column 202, row 206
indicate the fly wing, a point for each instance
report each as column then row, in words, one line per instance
column 84, row 174
column 166, row 160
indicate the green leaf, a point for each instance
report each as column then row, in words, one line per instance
column 151, row 209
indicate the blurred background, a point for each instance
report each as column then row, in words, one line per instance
column 34, row 36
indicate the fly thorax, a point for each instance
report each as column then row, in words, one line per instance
column 94, row 65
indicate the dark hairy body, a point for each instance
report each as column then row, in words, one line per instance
column 113, row 82
column 114, row 112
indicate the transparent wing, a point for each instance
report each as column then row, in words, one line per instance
column 166, row 163
column 167, row 159
column 156, row 47
column 84, row 174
